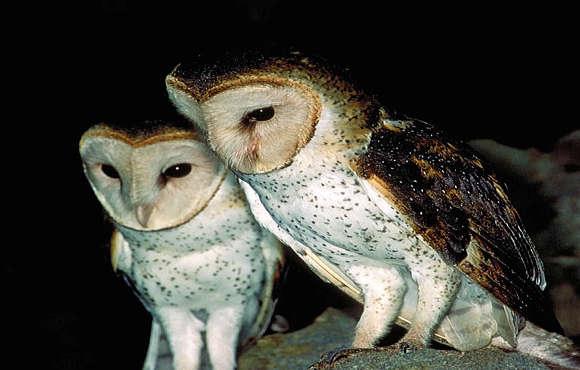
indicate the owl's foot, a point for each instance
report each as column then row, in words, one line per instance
column 406, row 346
column 330, row 359
column 412, row 341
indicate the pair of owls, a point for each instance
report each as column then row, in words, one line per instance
column 389, row 210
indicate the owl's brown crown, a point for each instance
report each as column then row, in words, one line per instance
column 140, row 133
column 205, row 74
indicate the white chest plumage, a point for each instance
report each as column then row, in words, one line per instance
column 324, row 213
column 213, row 259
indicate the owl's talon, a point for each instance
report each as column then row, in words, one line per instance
column 329, row 359
column 406, row 347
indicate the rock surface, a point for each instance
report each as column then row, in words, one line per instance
column 297, row 350
column 334, row 329
column 488, row 358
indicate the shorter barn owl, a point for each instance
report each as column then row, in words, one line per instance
column 387, row 208
column 185, row 239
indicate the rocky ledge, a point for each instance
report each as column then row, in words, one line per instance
column 333, row 329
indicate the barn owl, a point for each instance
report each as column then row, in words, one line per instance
column 387, row 208
column 184, row 238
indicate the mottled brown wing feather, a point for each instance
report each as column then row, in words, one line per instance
column 457, row 204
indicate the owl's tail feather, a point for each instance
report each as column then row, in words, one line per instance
column 550, row 347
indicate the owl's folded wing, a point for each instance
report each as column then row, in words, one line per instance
column 457, row 205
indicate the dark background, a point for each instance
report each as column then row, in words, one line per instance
column 495, row 72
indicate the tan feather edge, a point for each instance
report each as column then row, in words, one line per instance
column 143, row 139
column 116, row 240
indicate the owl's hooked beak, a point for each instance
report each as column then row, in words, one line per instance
column 144, row 212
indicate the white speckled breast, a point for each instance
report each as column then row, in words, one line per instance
column 325, row 207
column 214, row 259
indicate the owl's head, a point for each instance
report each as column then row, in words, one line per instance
column 257, row 112
column 149, row 178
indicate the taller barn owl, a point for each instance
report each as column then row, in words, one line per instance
column 185, row 239
column 389, row 209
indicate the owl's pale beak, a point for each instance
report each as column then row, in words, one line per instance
column 143, row 213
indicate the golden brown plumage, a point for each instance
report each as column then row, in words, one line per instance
column 459, row 206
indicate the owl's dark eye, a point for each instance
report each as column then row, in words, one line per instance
column 110, row 171
column 262, row 114
column 178, row 170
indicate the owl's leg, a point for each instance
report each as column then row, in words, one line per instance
column 438, row 284
column 164, row 356
column 223, row 329
column 183, row 332
column 384, row 290
column 153, row 349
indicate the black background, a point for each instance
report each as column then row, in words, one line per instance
column 509, row 74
